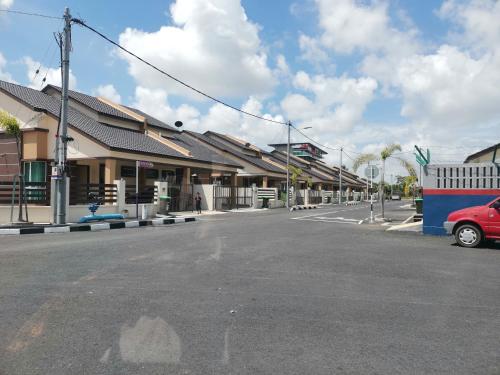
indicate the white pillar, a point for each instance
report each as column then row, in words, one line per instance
column 120, row 195
column 255, row 200
column 162, row 187
column 306, row 197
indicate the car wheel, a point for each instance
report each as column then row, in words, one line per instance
column 468, row 235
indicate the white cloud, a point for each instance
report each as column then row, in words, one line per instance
column 479, row 20
column 337, row 106
column 6, row 4
column 311, row 50
column 155, row 102
column 212, row 46
column 4, row 76
column 227, row 121
column 283, row 69
column 109, row 92
column 448, row 93
column 52, row 75
column 351, row 25
column 451, row 88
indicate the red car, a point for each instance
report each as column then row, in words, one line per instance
column 472, row 225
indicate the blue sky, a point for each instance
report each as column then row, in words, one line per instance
column 362, row 73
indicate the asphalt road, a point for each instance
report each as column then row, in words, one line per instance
column 248, row 293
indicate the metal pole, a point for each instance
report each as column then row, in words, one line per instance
column 288, row 167
column 137, row 189
column 63, row 133
column 340, row 176
column 371, row 195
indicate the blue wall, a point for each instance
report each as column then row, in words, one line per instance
column 438, row 207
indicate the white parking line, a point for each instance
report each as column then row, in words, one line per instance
column 328, row 213
column 331, row 221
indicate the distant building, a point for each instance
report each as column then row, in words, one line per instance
column 305, row 151
column 490, row 154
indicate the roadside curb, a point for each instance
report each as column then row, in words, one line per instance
column 95, row 227
column 353, row 203
column 294, row 208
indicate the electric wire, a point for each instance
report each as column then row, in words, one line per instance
column 30, row 14
column 82, row 23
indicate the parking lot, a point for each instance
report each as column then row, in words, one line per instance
column 396, row 211
column 249, row 293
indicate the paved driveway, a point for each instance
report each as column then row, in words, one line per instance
column 247, row 294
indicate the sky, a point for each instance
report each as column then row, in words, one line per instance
column 360, row 73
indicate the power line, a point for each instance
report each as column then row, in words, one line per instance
column 30, row 14
column 312, row 140
column 80, row 22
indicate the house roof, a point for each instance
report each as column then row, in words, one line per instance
column 482, row 152
column 255, row 160
column 111, row 136
column 106, row 109
column 239, row 143
column 275, row 145
column 281, row 158
column 153, row 121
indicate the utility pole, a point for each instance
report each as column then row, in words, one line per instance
column 391, row 186
column 340, row 176
column 62, row 141
column 371, row 195
column 288, row 167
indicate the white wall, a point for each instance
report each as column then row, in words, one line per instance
column 207, row 196
column 36, row 214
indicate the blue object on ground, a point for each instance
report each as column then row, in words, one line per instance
column 93, row 207
column 94, row 217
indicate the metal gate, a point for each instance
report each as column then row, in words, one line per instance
column 181, row 199
column 232, row 197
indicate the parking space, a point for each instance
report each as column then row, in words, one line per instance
column 395, row 211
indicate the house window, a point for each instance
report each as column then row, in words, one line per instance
column 167, row 175
column 127, row 171
column 152, row 173
column 35, row 171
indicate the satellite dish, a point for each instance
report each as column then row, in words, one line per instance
column 178, row 124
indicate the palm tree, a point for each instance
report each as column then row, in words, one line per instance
column 295, row 173
column 12, row 128
column 388, row 152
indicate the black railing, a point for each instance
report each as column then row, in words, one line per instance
column 36, row 193
column 86, row 193
column 147, row 194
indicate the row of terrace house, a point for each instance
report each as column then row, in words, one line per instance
column 108, row 138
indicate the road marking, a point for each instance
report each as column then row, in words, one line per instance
column 331, row 221
column 331, row 212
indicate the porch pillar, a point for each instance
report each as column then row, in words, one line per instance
column 234, row 179
column 93, row 171
column 264, row 181
column 320, row 186
column 186, row 177
column 109, row 171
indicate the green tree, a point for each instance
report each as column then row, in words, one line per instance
column 11, row 126
column 295, row 173
column 389, row 151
